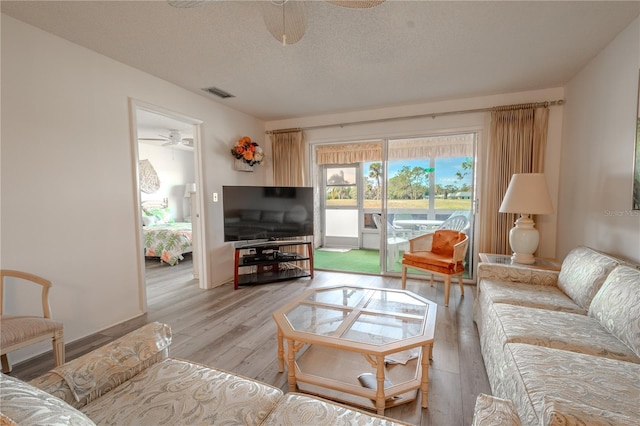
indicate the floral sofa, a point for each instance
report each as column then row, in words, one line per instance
column 132, row 381
column 560, row 348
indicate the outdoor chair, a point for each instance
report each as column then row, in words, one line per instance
column 456, row 222
column 439, row 253
column 394, row 241
column 18, row 331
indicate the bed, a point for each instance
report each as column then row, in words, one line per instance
column 163, row 237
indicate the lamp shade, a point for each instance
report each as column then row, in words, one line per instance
column 189, row 189
column 528, row 194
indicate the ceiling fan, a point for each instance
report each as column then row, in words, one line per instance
column 174, row 138
column 286, row 20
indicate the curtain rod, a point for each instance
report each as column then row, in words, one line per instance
column 432, row 115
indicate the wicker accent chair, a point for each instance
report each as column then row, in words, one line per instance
column 439, row 253
column 17, row 331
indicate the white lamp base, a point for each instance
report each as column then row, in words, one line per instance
column 524, row 239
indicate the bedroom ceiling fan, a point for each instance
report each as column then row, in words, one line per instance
column 286, row 20
column 173, row 139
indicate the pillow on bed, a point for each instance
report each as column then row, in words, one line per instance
column 161, row 215
column 148, row 219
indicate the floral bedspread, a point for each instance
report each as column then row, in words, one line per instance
column 168, row 241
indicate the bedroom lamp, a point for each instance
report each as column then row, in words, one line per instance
column 527, row 194
column 189, row 189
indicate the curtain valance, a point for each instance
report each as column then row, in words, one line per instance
column 399, row 149
column 432, row 147
column 350, row 153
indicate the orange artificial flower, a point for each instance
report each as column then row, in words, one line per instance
column 248, row 151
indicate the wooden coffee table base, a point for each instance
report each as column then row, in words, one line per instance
column 335, row 334
column 333, row 373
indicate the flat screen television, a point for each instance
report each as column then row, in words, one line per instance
column 263, row 213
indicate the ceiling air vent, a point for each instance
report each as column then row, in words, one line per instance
column 218, row 92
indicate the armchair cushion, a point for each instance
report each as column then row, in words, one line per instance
column 444, row 240
column 16, row 329
column 433, row 262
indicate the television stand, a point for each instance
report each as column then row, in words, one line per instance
column 269, row 261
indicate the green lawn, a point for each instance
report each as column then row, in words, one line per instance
column 363, row 261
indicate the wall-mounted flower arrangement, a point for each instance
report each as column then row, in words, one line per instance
column 247, row 151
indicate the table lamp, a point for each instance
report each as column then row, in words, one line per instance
column 527, row 194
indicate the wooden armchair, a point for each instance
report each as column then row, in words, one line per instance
column 439, row 253
column 19, row 331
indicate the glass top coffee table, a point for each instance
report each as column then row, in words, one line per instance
column 336, row 334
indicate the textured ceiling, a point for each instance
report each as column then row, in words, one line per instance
column 400, row 52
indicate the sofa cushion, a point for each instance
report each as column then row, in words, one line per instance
column 86, row 378
column 296, row 409
column 617, row 306
column 492, row 411
column 24, row 404
column 582, row 273
column 176, row 392
column 560, row 330
column 560, row 412
column 601, row 383
column 535, row 296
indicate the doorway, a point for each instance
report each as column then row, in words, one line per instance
column 168, row 196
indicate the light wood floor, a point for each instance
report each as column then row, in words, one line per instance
column 234, row 331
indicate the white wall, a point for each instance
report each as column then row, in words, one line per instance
column 445, row 124
column 68, row 205
column 174, row 167
column 598, row 152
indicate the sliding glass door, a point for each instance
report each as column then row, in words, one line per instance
column 380, row 194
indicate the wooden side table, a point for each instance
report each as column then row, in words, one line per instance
column 505, row 259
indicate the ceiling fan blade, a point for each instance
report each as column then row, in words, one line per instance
column 357, row 4
column 286, row 20
column 152, row 139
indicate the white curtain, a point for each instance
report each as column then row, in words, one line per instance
column 516, row 145
column 289, row 165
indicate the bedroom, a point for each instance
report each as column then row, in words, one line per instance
column 167, row 187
